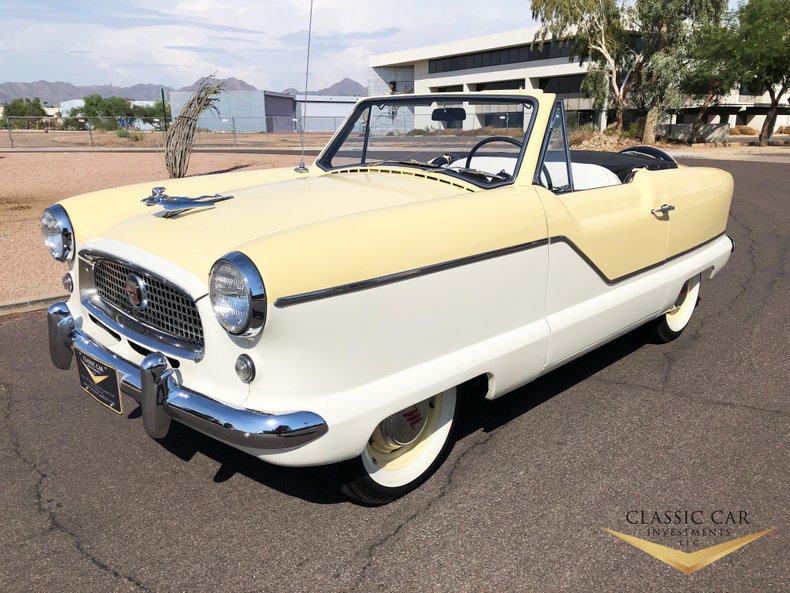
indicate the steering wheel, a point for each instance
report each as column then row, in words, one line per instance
column 442, row 160
column 485, row 141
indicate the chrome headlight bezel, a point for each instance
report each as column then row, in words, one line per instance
column 255, row 292
column 65, row 232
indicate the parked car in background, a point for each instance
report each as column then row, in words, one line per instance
column 330, row 316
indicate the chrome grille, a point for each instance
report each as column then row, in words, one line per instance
column 169, row 310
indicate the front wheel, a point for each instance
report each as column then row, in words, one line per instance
column 672, row 323
column 403, row 451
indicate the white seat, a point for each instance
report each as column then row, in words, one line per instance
column 585, row 175
column 589, row 176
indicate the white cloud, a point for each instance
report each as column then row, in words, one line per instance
column 174, row 42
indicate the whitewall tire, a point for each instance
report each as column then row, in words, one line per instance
column 403, row 451
column 672, row 323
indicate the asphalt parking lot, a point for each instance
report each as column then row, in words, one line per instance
column 90, row 503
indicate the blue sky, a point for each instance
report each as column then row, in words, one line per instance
column 174, row 42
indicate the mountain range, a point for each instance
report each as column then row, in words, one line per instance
column 346, row 87
column 54, row 93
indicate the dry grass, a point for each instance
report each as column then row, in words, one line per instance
column 743, row 131
column 586, row 139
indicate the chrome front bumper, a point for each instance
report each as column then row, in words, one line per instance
column 155, row 385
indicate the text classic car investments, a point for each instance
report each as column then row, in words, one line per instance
column 330, row 316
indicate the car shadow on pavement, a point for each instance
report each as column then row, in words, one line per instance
column 307, row 483
column 314, row 484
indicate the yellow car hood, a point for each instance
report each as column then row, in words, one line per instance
column 195, row 239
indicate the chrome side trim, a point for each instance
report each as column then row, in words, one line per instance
column 154, row 384
column 326, row 293
column 613, row 281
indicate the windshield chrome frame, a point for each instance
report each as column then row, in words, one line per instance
column 347, row 127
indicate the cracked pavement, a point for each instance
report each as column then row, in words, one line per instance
column 92, row 504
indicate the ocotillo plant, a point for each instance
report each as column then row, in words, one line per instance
column 181, row 135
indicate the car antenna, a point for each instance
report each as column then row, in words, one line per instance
column 301, row 168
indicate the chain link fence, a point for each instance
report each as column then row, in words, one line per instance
column 138, row 132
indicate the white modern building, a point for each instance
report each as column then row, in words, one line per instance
column 506, row 61
column 494, row 62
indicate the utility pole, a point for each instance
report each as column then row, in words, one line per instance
column 164, row 110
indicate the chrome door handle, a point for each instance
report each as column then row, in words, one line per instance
column 663, row 210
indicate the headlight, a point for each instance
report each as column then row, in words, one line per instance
column 237, row 295
column 58, row 233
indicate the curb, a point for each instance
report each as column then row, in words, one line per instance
column 28, row 305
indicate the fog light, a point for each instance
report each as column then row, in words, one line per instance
column 245, row 368
column 68, row 282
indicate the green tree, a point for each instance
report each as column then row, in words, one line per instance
column 30, row 109
column 598, row 33
column 666, row 29
column 755, row 46
column 103, row 112
column 708, row 77
column 149, row 113
column 640, row 46
column 98, row 106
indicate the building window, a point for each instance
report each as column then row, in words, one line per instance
column 498, row 57
column 564, row 87
column 501, row 85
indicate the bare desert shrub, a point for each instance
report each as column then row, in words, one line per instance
column 580, row 135
column 181, row 135
column 588, row 139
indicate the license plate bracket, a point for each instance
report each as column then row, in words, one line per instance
column 99, row 380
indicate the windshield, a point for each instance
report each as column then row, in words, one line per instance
column 479, row 139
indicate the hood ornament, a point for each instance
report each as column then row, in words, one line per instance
column 175, row 205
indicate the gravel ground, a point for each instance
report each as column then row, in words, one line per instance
column 29, row 182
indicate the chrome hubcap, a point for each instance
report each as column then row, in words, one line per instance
column 403, row 428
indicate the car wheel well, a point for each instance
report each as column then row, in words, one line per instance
column 479, row 386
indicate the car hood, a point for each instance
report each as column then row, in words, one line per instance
column 195, row 239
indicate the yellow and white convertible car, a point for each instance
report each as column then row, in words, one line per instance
column 327, row 316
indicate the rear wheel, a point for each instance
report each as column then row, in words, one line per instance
column 672, row 323
column 403, row 451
